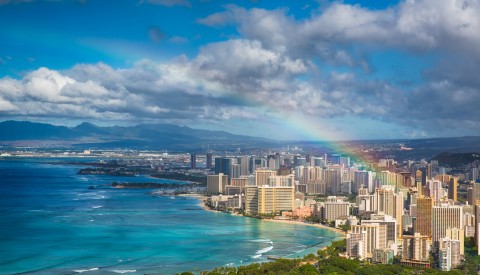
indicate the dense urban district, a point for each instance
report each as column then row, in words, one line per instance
column 397, row 217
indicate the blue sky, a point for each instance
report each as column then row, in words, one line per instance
column 278, row 69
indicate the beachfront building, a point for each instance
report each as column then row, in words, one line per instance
column 216, row 184
column 269, row 199
column 237, row 186
column 333, row 210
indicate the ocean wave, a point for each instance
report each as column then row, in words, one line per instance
column 97, row 206
column 86, row 270
column 262, row 241
column 256, row 256
column 122, row 271
column 264, row 250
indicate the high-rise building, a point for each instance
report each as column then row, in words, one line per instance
column 452, row 188
column 235, row 170
column 357, row 245
column 449, row 253
column 365, row 179
column 237, row 186
column 345, row 161
column 389, row 222
column 288, row 180
column 443, row 218
column 269, row 199
column 335, row 159
column 423, row 224
column 384, row 200
column 475, row 174
column 243, row 162
column 435, row 190
column 429, row 171
column 471, row 196
column 336, row 209
column 457, row 234
column 333, row 178
column 261, row 176
column 416, row 247
column 418, row 177
column 223, row 165
column 216, row 184
column 209, row 161
column 477, row 224
column 193, row 161
column 376, row 236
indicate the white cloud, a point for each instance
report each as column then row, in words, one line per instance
column 276, row 68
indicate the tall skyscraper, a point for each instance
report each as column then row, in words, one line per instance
column 209, row 161
column 423, row 224
column 333, row 178
column 223, row 165
column 193, row 161
column 435, row 190
column 235, row 170
column 475, row 174
column 243, row 162
column 452, row 188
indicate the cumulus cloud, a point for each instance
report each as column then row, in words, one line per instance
column 414, row 25
column 344, row 35
column 276, row 67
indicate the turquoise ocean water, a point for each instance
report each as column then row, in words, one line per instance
column 52, row 223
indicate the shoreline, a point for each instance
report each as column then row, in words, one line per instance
column 202, row 199
column 318, row 225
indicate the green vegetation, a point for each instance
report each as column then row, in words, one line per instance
column 198, row 178
column 329, row 261
column 260, row 216
column 472, row 260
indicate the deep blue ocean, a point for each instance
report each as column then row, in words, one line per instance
column 52, row 223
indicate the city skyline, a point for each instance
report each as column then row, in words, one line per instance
column 318, row 70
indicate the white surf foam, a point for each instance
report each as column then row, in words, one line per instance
column 261, row 241
column 256, row 256
column 264, row 250
column 85, row 270
column 122, row 271
column 97, row 206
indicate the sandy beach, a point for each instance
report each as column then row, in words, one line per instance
column 203, row 198
column 201, row 201
column 308, row 224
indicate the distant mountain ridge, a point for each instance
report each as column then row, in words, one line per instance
column 144, row 135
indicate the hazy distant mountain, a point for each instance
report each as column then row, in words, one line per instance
column 144, row 135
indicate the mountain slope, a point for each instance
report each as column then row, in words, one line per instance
column 144, row 135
